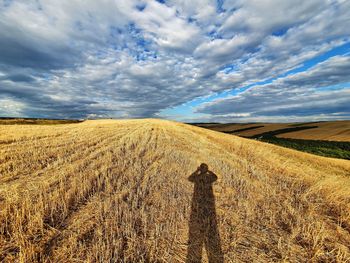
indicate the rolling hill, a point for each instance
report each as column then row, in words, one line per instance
column 131, row 191
column 328, row 130
column 329, row 139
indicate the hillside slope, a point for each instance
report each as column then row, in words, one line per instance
column 118, row 191
column 330, row 131
column 326, row 130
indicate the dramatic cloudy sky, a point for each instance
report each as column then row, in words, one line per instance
column 198, row 60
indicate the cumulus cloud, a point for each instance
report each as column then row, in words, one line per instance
column 136, row 58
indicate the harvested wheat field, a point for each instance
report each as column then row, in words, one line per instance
column 323, row 130
column 128, row 191
column 330, row 131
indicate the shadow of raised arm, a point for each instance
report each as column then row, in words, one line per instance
column 192, row 178
column 212, row 177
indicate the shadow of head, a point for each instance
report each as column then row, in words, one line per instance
column 203, row 176
column 203, row 168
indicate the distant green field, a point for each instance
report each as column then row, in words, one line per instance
column 324, row 148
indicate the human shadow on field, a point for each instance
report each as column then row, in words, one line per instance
column 203, row 229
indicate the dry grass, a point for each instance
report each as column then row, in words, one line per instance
column 117, row 191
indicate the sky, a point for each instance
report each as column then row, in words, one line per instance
column 191, row 61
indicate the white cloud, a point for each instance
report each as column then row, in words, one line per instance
column 12, row 108
column 138, row 57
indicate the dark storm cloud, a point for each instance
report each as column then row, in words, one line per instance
column 18, row 78
column 18, row 54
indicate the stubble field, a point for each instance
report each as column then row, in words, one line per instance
column 118, row 191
